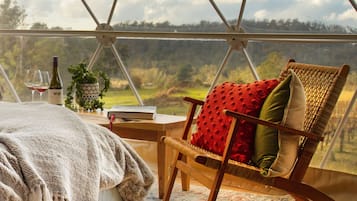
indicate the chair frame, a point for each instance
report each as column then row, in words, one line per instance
column 314, row 126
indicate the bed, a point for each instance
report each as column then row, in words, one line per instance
column 48, row 153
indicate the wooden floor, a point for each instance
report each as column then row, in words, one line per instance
column 146, row 149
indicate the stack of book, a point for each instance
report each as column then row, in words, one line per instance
column 132, row 112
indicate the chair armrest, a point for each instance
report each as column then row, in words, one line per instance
column 190, row 116
column 193, row 100
column 273, row 125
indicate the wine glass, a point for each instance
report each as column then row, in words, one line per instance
column 30, row 79
column 44, row 82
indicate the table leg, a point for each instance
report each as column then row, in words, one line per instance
column 161, row 167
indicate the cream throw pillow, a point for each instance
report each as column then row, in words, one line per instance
column 294, row 115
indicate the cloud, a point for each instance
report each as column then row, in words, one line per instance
column 325, row 11
column 348, row 17
column 72, row 13
column 261, row 14
column 315, row 2
column 349, row 14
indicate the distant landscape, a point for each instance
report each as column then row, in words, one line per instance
column 164, row 71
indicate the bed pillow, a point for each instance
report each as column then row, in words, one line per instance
column 293, row 117
column 213, row 125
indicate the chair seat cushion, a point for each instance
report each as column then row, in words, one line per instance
column 213, row 125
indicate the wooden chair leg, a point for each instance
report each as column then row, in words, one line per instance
column 172, row 179
column 185, row 179
column 216, row 185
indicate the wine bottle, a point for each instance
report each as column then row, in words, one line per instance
column 55, row 90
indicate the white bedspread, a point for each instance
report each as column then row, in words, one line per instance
column 48, row 153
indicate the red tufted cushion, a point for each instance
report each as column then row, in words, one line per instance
column 213, row 125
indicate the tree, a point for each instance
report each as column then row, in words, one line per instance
column 11, row 16
column 184, row 74
column 39, row 26
column 270, row 68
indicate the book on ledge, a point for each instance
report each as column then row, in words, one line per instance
column 132, row 112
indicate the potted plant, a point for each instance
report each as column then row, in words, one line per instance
column 84, row 88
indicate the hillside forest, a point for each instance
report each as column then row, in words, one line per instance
column 167, row 63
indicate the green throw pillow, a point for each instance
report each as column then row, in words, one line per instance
column 294, row 116
column 266, row 139
column 276, row 152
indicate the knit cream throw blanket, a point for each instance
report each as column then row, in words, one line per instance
column 47, row 153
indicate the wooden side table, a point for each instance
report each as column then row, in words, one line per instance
column 149, row 130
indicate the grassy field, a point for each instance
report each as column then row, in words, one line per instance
column 343, row 161
column 346, row 95
column 127, row 97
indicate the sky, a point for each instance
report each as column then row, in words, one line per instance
column 72, row 14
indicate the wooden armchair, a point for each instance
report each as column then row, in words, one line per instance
column 322, row 86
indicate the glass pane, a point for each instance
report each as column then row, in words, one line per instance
column 164, row 70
